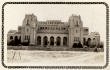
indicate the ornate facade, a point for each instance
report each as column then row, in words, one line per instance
column 51, row 32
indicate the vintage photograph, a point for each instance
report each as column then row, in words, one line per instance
column 55, row 34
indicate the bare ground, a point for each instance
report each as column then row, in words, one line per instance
column 36, row 57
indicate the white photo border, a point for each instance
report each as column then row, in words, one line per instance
column 58, row 67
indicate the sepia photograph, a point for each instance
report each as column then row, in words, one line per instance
column 55, row 34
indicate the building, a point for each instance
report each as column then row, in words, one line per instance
column 95, row 38
column 52, row 32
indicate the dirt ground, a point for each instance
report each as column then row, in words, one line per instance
column 51, row 58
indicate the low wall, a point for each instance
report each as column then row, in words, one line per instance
column 60, row 48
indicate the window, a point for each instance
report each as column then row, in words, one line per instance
column 19, row 28
column 64, row 28
column 27, row 37
column 45, row 27
column 76, row 39
column 42, row 27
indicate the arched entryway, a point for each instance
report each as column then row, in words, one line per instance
column 52, row 41
column 38, row 40
column 88, row 42
column 16, row 40
column 45, row 41
column 94, row 43
column 65, row 41
column 58, row 41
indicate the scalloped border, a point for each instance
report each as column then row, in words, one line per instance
column 59, row 67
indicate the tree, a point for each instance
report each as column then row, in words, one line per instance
column 11, row 43
column 75, row 45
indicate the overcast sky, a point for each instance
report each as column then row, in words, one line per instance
column 93, row 16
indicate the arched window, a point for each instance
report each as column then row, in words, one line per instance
column 45, row 27
column 40, row 27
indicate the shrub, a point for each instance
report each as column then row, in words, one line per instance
column 25, row 43
column 79, row 45
column 75, row 45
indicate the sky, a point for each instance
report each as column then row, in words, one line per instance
column 93, row 16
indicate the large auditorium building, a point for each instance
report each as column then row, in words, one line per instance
column 52, row 32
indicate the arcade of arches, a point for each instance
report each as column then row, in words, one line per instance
column 51, row 41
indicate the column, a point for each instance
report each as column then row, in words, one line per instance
column 22, row 38
column 41, row 41
column 48, row 41
column 61, row 41
column 55, row 41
